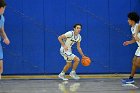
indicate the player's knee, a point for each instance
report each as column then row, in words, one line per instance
column 76, row 59
column 136, row 64
column 133, row 61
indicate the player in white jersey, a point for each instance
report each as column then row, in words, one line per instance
column 133, row 19
column 67, row 40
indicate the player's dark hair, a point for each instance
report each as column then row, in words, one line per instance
column 134, row 16
column 77, row 25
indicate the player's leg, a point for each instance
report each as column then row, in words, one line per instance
column 135, row 65
column 65, row 69
column 67, row 57
column 1, row 67
column 67, row 66
column 133, row 70
column 1, row 60
column 137, row 62
column 75, row 64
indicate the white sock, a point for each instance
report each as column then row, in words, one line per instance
column 73, row 71
column 62, row 73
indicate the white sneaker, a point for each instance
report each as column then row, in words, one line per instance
column 62, row 76
column 74, row 76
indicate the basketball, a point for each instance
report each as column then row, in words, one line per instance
column 85, row 61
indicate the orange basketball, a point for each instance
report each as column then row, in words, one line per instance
column 86, row 61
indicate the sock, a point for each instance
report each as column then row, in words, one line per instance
column 73, row 71
column 62, row 72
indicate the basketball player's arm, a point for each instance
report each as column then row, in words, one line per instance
column 60, row 38
column 132, row 41
column 79, row 49
column 137, row 30
column 129, row 42
column 4, row 36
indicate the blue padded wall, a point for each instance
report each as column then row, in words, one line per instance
column 33, row 27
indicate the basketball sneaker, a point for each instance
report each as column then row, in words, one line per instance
column 128, row 81
column 62, row 76
column 74, row 75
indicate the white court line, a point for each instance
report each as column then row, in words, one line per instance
column 129, row 85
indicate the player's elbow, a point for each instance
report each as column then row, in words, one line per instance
column 78, row 48
column 59, row 38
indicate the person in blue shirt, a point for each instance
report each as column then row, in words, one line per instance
column 2, row 33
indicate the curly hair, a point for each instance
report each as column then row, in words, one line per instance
column 134, row 16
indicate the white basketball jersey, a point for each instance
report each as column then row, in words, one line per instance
column 133, row 30
column 71, row 38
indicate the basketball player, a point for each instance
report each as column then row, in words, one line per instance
column 67, row 40
column 133, row 19
column 2, row 34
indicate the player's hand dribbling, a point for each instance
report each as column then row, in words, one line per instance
column 84, row 56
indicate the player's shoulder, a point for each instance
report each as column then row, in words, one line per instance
column 137, row 24
column 70, row 31
column 79, row 35
column 2, row 18
column 69, row 34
